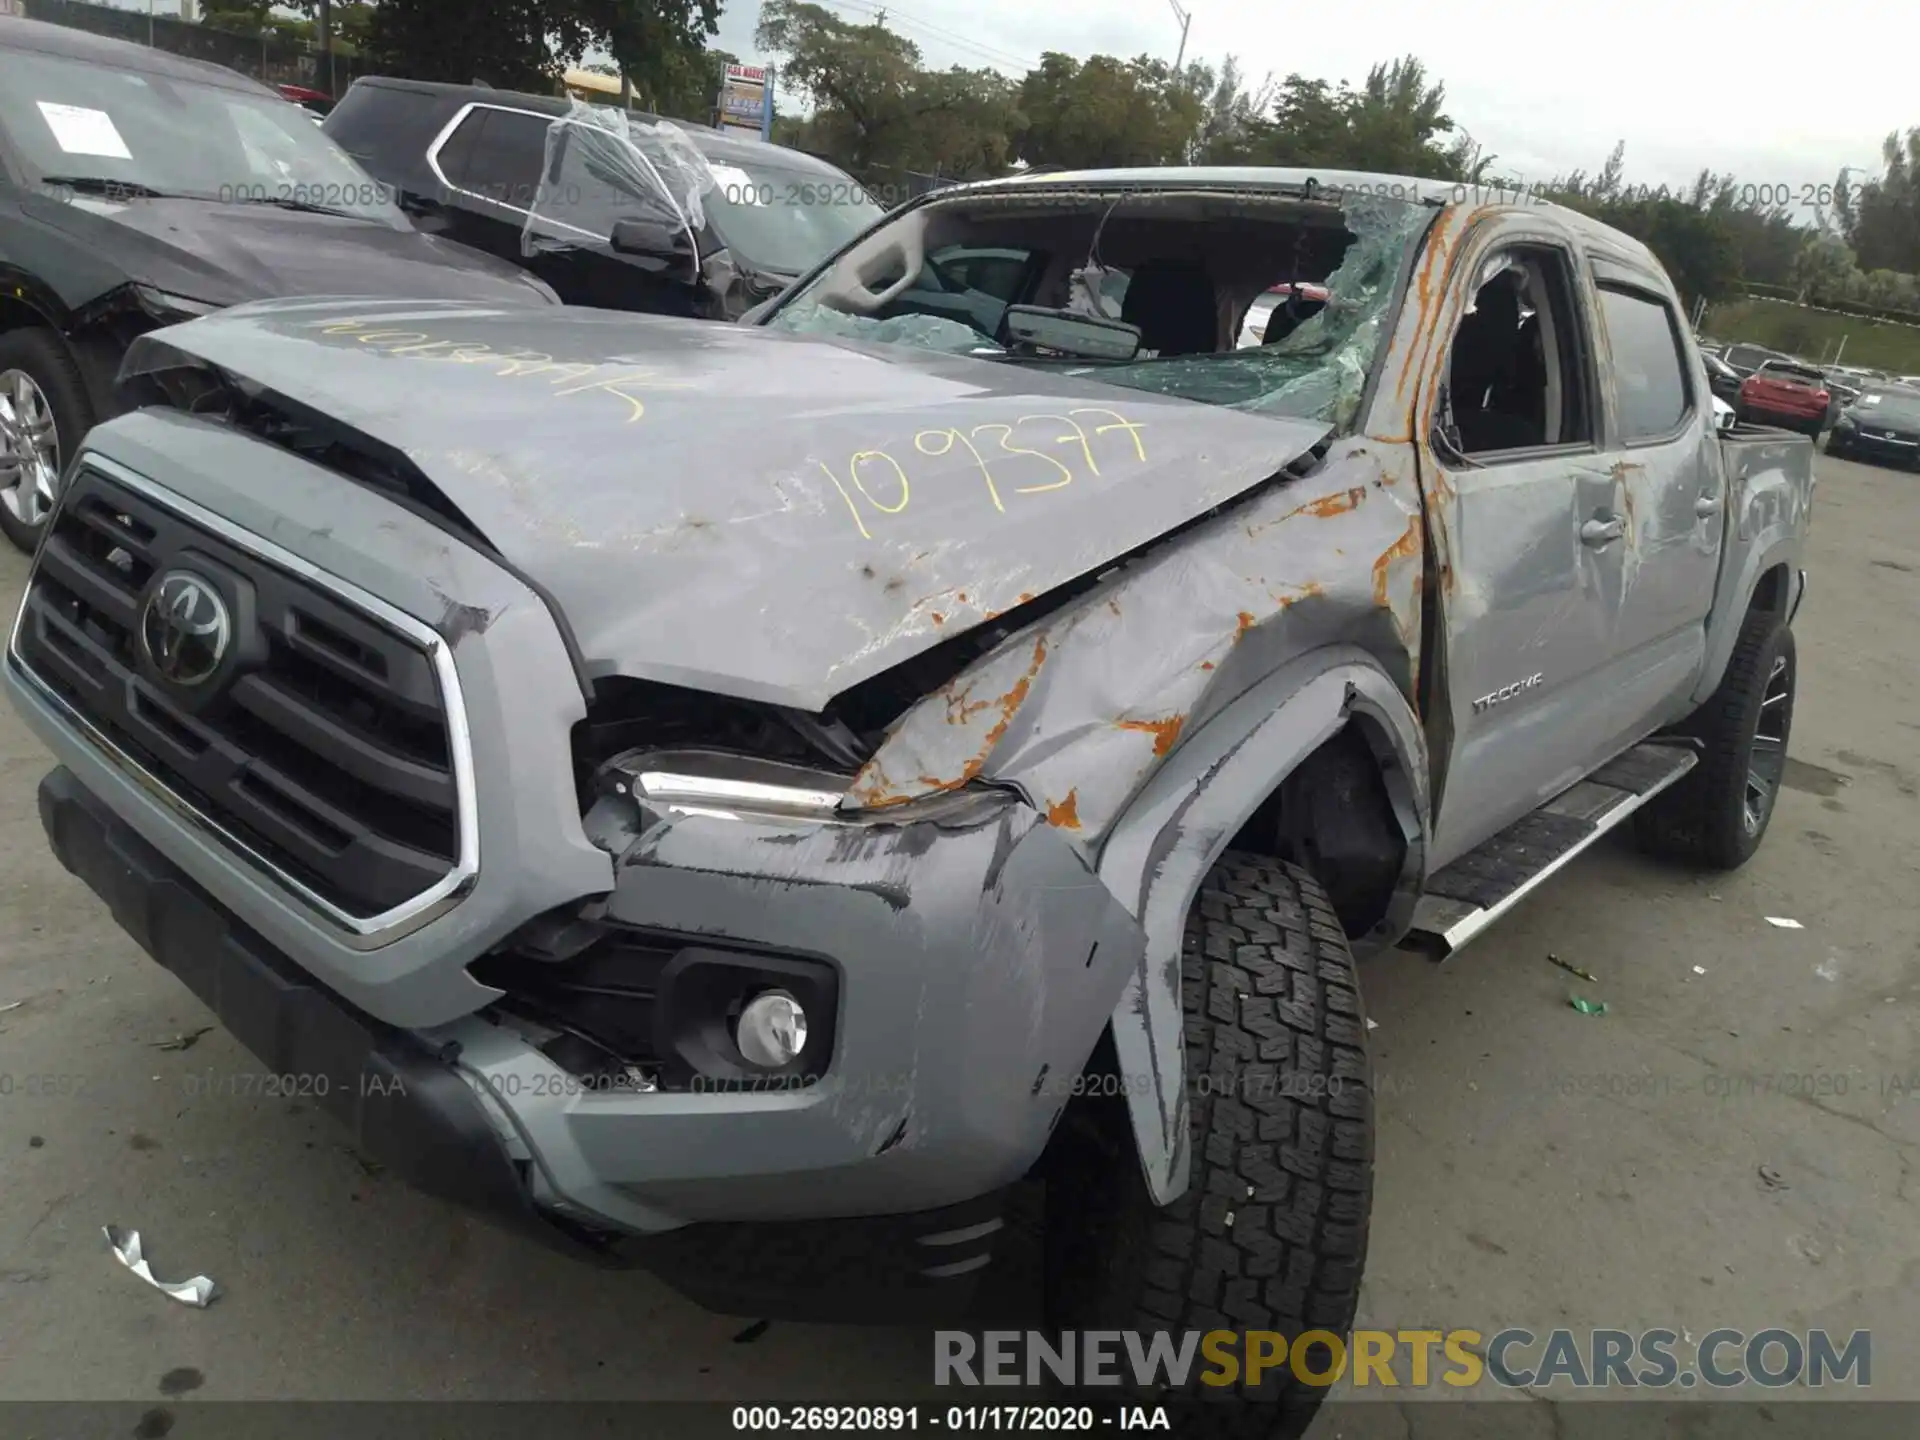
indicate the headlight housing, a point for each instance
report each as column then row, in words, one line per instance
column 728, row 786
column 696, row 782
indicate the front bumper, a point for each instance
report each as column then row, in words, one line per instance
column 406, row 1107
column 412, row 1106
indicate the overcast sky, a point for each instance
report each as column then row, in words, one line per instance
column 1775, row 92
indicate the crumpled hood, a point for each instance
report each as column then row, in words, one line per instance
column 228, row 254
column 751, row 513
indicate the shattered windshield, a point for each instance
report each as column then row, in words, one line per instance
column 1189, row 273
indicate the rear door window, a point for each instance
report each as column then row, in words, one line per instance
column 508, row 153
column 1650, row 386
column 455, row 153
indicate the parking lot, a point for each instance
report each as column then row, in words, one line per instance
column 1731, row 1144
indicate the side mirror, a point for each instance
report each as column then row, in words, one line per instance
column 666, row 245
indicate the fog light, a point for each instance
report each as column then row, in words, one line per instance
column 772, row 1029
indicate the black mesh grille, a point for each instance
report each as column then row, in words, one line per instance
column 321, row 741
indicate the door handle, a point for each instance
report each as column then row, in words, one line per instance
column 1602, row 532
column 1707, row 506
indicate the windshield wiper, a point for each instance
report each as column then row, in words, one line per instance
column 287, row 202
column 104, row 185
column 134, row 190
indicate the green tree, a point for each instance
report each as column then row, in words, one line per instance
column 660, row 46
column 1825, row 270
column 859, row 78
column 525, row 44
column 1395, row 123
column 1689, row 232
column 1107, row 112
column 1229, row 123
column 876, row 110
column 243, row 17
column 1885, row 211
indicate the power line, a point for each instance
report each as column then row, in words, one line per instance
column 882, row 13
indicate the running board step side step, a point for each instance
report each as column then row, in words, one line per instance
column 1488, row 881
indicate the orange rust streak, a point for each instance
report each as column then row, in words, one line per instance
column 874, row 795
column 1407, row 546
column 1423, row 287
column 1065, row 813
column 1327, row 506
column 1428, row 327
column 1165, row 732
column 1206, row 664
column 1304, row 592
column 1246, row 623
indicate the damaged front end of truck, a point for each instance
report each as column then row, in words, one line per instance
column 774, row 714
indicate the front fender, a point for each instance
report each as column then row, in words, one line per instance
column 1177, row 827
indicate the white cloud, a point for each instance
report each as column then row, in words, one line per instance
column 1767, row 89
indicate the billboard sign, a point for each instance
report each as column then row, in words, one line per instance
column 746, row 100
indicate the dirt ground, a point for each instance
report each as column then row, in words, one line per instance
column 1731, row 1144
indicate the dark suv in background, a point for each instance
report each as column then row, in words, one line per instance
column 139, row 188
column 1881, row 425
column 472, row 162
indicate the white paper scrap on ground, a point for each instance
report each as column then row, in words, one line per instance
column 125, row 1244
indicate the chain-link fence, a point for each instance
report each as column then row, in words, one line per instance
column 271, row 60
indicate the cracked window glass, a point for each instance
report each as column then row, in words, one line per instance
column 1320, row 369
column 1316, row 370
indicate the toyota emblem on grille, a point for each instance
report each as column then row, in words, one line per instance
column 185, row 628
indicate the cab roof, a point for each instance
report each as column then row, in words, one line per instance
column 1409, row 189
column 715, row 144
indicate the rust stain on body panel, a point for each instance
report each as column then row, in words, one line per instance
column 1157, row 648
column 1165, row 732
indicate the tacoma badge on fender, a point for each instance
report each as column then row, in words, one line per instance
column 1506, row 692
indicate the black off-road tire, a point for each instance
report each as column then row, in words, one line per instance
column 44, row 356
column 1271, row 1233
column 1705, row 819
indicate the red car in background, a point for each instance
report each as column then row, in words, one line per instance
column 1780, row 392
column 317, row 101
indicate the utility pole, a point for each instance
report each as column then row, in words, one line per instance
column 1186, row 20
column 326, row 46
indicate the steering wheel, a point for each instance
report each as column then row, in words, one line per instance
column 908, row 246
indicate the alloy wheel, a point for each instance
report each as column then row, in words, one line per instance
column 29, row 449
column 1768, row 761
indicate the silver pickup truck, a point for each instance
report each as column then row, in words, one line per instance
column 742, row 799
